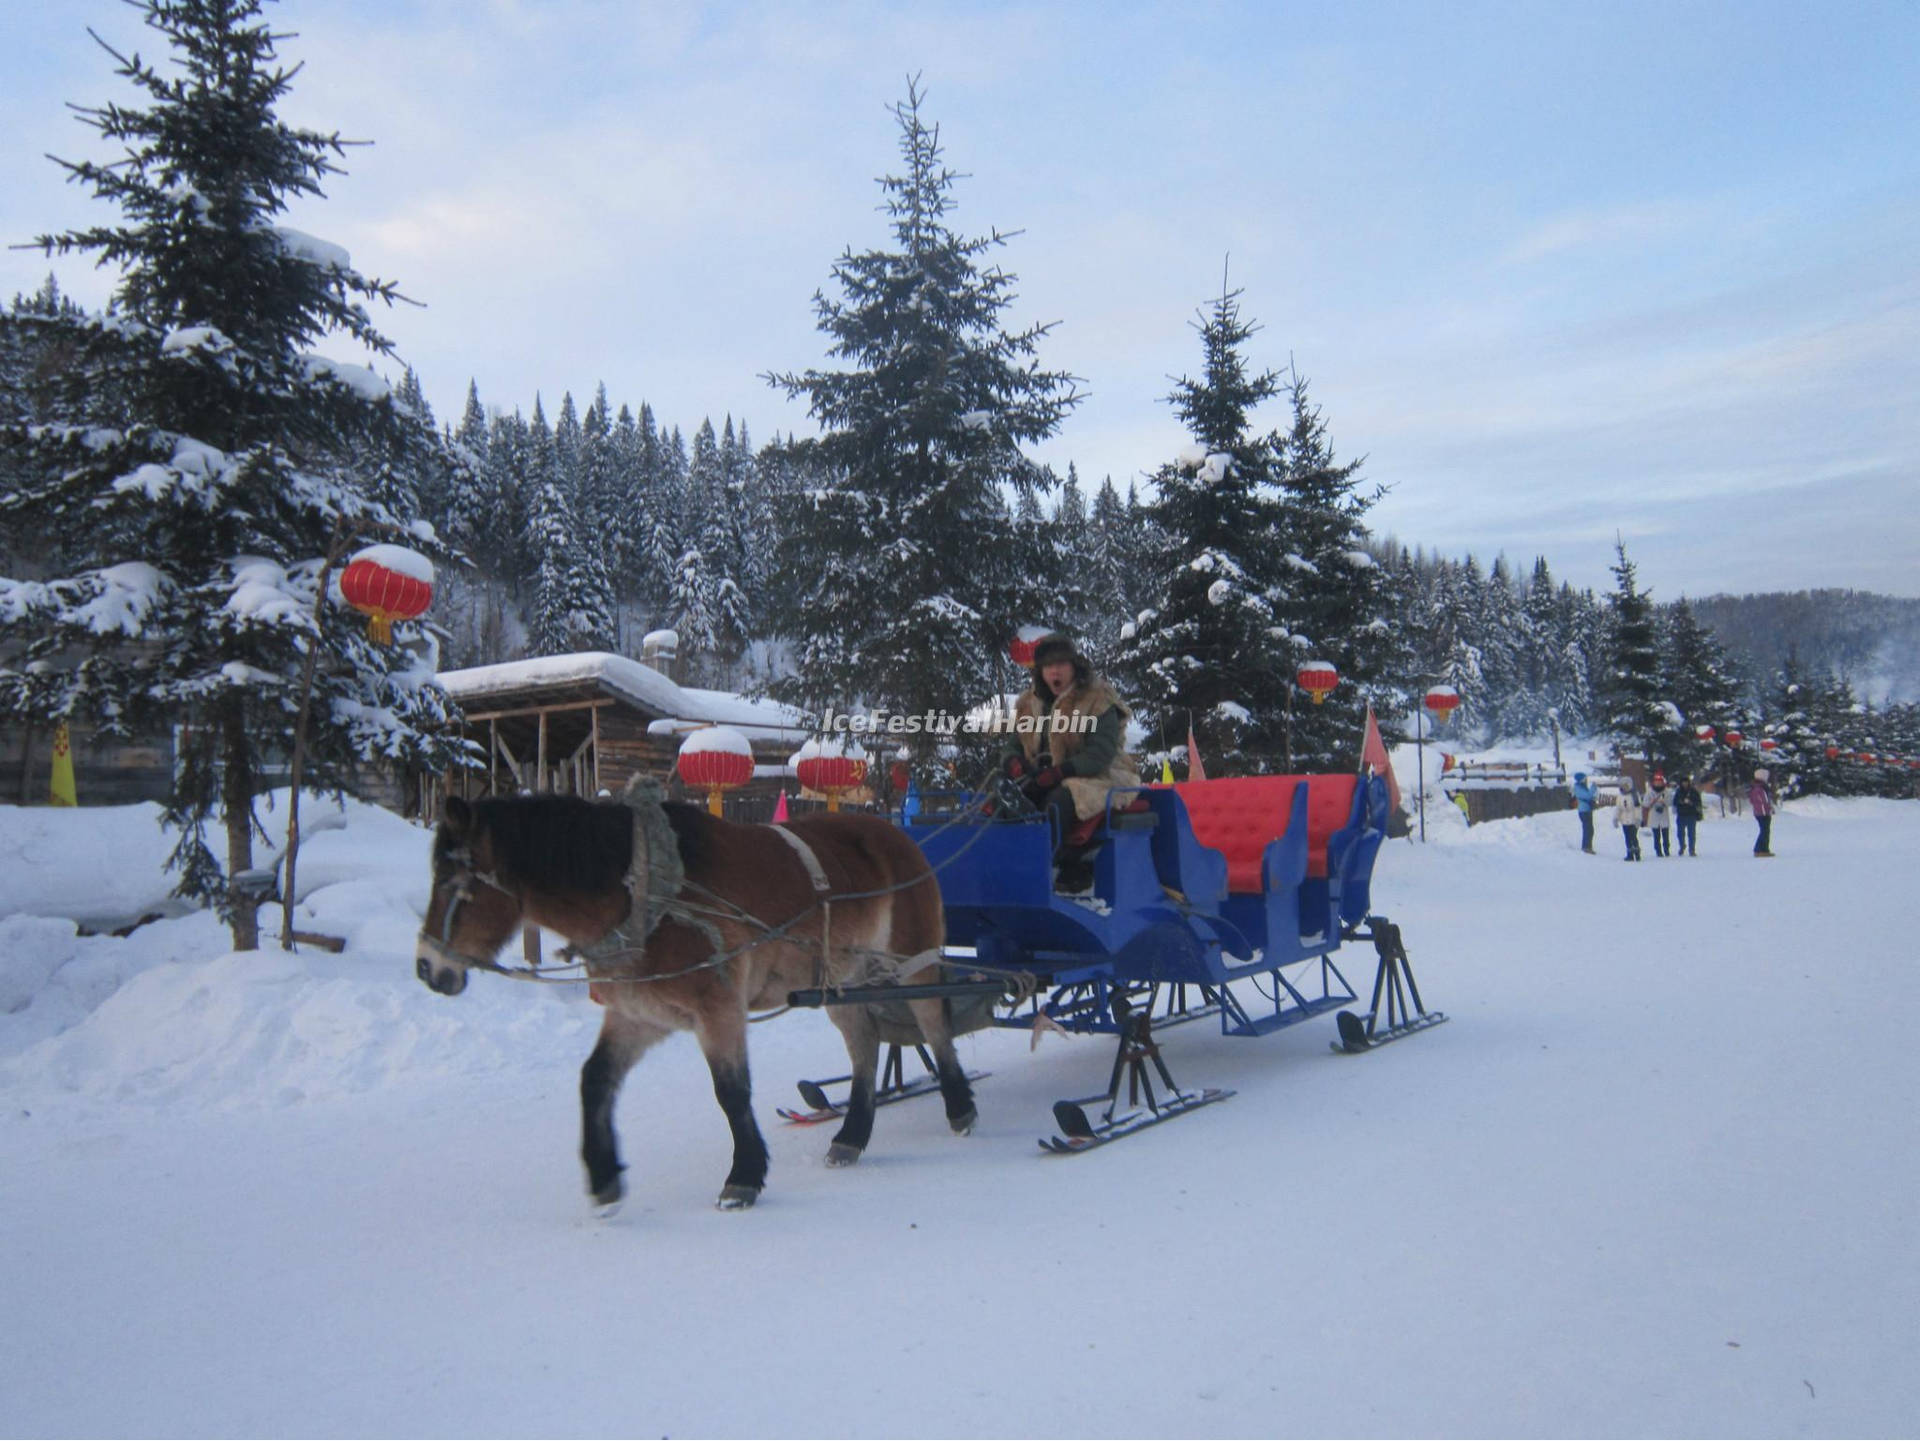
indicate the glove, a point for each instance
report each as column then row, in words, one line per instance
column 1018, row 766
column 1047, row 779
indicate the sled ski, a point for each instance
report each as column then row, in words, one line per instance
column 1393, row 984
column 1080, row 1132
column 893, row 1087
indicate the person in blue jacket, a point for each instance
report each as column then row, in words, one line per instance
column 1583, row 798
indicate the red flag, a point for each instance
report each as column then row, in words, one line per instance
column 1373, row 755
column 1195, row 771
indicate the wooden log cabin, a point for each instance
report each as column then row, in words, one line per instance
column 588, row 722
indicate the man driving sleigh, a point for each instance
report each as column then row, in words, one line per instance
column 1065, row 765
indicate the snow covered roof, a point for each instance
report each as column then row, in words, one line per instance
column 641, row 686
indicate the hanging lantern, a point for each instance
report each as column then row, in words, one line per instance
column 1705, row 733
column 387, row 583
column 1733, row 739
column 1833, row 753
column 716, row 760
column 1020, row 649
column 1318, row 678
column 830, row 768
column 898, row 775
column 1865, row 758
column 1442, row 700
column 1769, row 744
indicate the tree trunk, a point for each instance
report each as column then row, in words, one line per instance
column 236, row 807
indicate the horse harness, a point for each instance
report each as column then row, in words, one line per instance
column 823, row 897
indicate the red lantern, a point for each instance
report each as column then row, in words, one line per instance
column 1833, row 753
column 1865, row 758
column 715, row 760
column 1442, row 700
column 1704, row 732
column 387, row 583
column 1769, row 744
column 897, row 775
column 1020, row 649
column 1733, row 739
column 828, row 768
column 1318, row 678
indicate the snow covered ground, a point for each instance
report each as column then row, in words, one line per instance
column 1658, row 1176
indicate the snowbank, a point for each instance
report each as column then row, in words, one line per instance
column 162, row 1015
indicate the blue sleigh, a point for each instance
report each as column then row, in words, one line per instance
column 1196, row 886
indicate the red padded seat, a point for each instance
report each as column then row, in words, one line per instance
column 1239, row 816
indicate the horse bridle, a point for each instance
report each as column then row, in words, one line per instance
column 462, row 892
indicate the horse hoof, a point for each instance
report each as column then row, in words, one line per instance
column 963, row 1125
column 841, row 1154
column 737, row 1198
column 606, row 1200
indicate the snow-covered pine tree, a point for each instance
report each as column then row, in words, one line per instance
column 1341, row 602
column 1699, row 680
column 627, row 466
column 594, row 501
column 572, row 600
column 1108, row 584
column 1067, row 599
column 664, row 540
column 192, row 521
column 907, row 578
column 1638, row 714
column 1212, row 650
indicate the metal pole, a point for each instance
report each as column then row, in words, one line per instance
column 1420, row 751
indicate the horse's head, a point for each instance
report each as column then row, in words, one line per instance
column 472, row 913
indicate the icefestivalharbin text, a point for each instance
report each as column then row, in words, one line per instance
column 990, row 720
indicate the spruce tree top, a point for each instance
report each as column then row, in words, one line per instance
column 206, row 171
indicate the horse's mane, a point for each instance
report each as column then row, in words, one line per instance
column 557, row 842
column 563, row 843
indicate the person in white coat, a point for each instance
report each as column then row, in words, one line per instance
column 1629, row 814
column 1660, row 816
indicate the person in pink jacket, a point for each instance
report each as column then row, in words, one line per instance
column 1760, row 797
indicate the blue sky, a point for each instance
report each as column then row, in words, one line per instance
column 1557, row 271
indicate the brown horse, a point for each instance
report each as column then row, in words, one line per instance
column 688, row 922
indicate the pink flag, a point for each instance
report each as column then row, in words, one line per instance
column 780, row 809
column 1195, row 771
column 1373, row 756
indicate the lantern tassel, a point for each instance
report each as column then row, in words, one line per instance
column 380, row 629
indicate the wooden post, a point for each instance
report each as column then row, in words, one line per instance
column 542, row 784
column 530, row 933
column 594, row 736
column 26, row 764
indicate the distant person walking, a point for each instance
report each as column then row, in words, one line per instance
column 1660, row 816
column 1583, row 799
column 1630, row 815
column 1760, row 798
column 1687, row 810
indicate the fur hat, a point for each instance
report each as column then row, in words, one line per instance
column 1052, row 648
column 1760, row 774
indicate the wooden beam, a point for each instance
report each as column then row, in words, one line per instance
column 556, row 708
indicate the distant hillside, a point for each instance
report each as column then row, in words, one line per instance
column 1871, row 640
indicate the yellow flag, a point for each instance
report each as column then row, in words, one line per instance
column 1166, row 773
column 60, row 791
